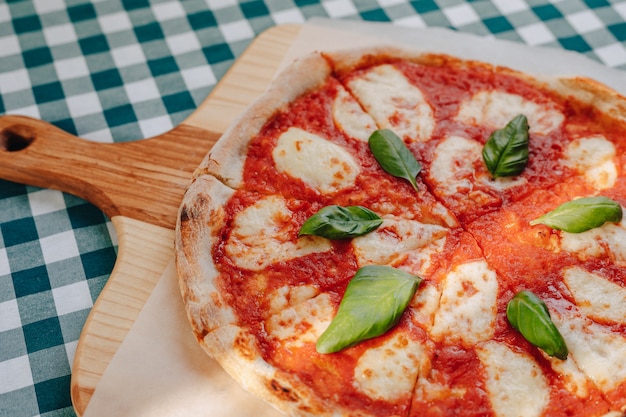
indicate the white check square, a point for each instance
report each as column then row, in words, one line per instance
column 60, row 34
column 9, row 316
column 510, row 6
column 128, row 55
column 71, row 68
column 14, row 81
column 535, row 34
column 155, row 126
column 59, row 247
column 460, row 15
column 585, row 21
column 183, row 43
column 612, row 55
column 142, row 90
column 16, row 374
column 47, row 6
column 236, row 31
column 5, row 268
column 198, row 77
column 114, row 22
column 84, row 104
column 339, row 8
column 45, row 201
column 288, row 16
column 9, row 45
column 72, row 298
column 165, row 11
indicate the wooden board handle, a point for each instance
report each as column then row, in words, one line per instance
column 143, row 180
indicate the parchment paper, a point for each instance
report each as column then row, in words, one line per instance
column 159, row 370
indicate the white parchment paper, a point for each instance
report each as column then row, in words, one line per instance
column 159, row 370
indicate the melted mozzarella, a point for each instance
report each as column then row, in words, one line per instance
column 597, row 351
column 595, row 296
column 593, row 158
column 452, row 166
column 393, row 238
column 497, row 108
column 515, row 383
column 259, row 236
column 303, row 322
column 394, row 102
column 573, row 378
column 289, row 296
column 608, row 240
column 319, row 163
column 467, row 308
column 350, row 117
column 388, row 372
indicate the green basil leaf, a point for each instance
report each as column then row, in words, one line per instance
column 336, row 222
column 529, row 315
column 373, row 303
column 506, row 150
column 393, row 156
column 582, row 214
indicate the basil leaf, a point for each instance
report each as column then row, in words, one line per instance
column 582, row 214
column 373, row 303
column 393, row 155
column 529, row 315
column 336, row 222
column 506, row 150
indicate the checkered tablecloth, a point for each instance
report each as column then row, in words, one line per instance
column 122, row 70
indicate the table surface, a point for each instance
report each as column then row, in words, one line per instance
column 123, row 70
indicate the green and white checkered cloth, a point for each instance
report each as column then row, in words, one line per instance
column 122, row 70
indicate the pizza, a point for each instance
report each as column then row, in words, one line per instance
column 390, row 233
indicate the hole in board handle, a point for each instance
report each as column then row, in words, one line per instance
column 16, row 138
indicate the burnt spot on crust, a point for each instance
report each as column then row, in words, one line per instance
column 282, row 392
column 243, row 345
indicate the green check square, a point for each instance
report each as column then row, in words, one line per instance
column 376, row 15
column 81, row 12
column 54, row 394
column 43, row 334
column 94, row 44
column 424, row 6
column 254, row 9
column 107, row 79
column 26, row 24
column 149, row 32
column 135, row 4
column 36, row 57
column 218, row 53
column 120, row 115
column 175, row 103
column 99, row 262
column 202, row 19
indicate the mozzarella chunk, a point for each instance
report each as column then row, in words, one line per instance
column 593, row 158
column 573, row 378
column 467, row 308
column 350, row 117
column 515, row 383
column 388, row 372
column 394, row 102
column 319, row 163
column 394, row 238
column 608, row 240
column 289, row 296
column 260, row 236
column 303, row 322
column 595, row 296
column 497, row 108
column 452, row 167
column 597, row 351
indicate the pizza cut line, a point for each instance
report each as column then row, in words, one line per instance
column 259, row 293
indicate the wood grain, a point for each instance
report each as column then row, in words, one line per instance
column 146, row 246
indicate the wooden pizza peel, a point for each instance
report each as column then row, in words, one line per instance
column 139, row 185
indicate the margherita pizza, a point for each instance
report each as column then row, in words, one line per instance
column 393, row 234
